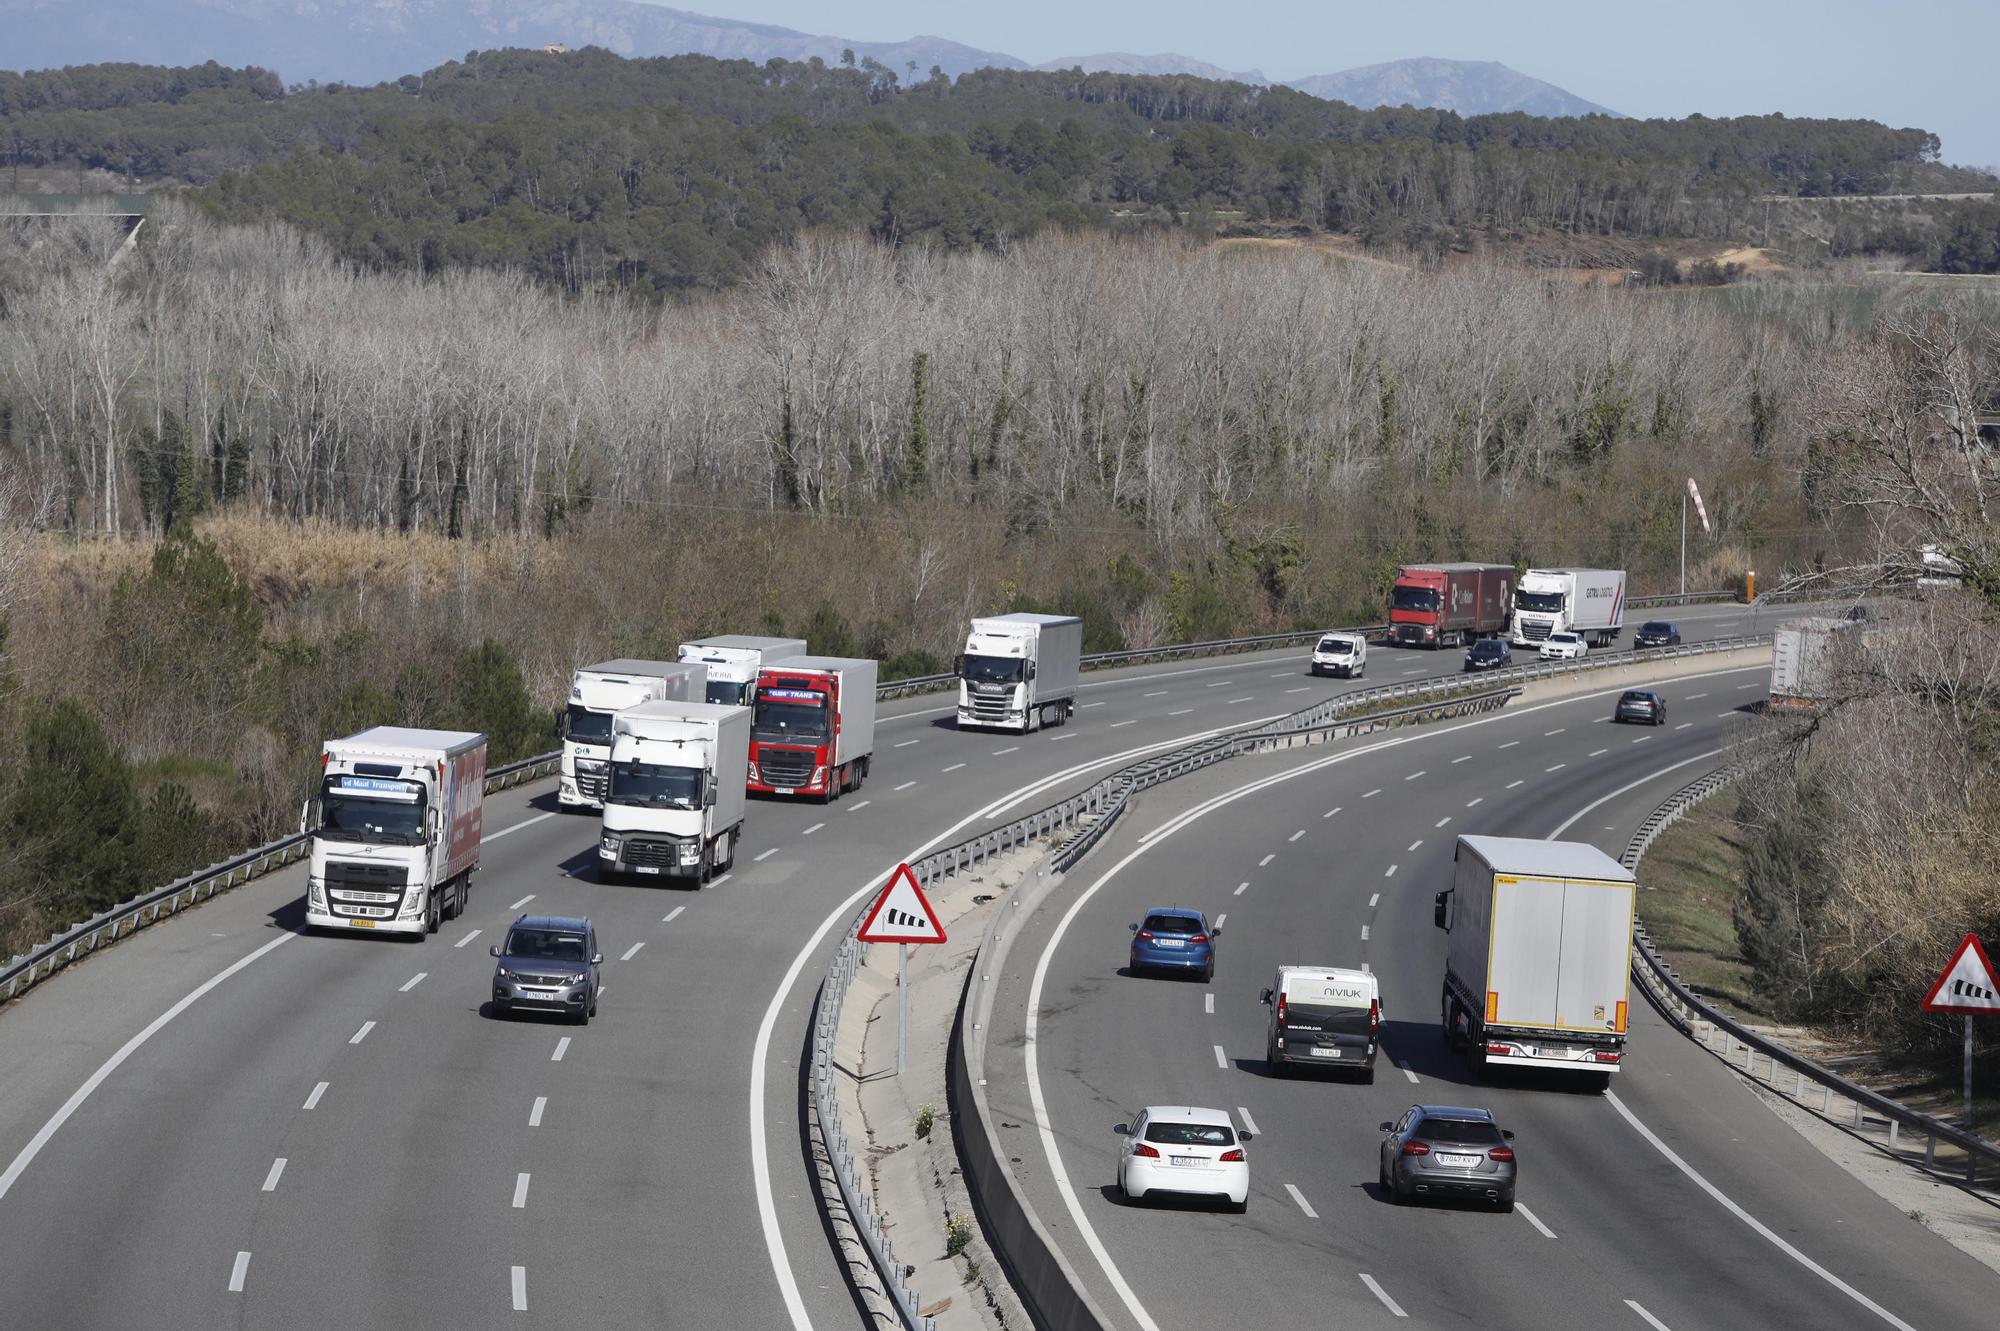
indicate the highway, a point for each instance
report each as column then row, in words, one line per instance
column 1333, row 859
column 225, row 1122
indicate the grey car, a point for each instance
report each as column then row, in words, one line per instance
column 1447, row 1151
column 549, row 963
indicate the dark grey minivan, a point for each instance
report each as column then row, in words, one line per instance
column 1323, row 1017
column 549, row 963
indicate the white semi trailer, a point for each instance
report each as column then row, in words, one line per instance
column 675, row 804
column 596, row 694
column 733, row 660
column 1589, row 601
column 1020, row 671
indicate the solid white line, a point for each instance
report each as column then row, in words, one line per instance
column 669, row 917
column 1651, row 1320
column 765, row 856
column 1535, row 1220
column 1296, row 835
column 238, row 1272
column 633, row 950
column 271, row 1179
column 1418, row 842
column 1466, row 759
column 1557, row 768
column 1512, row 784
column 906, row 744
column 905, row 786
column 1472, row 802
column 313, row 1100
column 1013, row 749
column 1182, row 712
column 509, row 831
column 1208, row 1004
column 520, row 1283
column 1414, row 775
column 1383, row 1295
column 1630, row 786
column 520, row 1191
column 562, row 1047
column 816, row 826
column 1373, row 898
column 1221, row 1059
column 1267, row 859
column 1241, row 888
column 1752, row 1221
column 1364, row 933
column 1330, row 812
column 535, row 1114
column 49, row 1129
column 1300, row 1198
column 467, row 939
column 718, row 882
column 1411, row 1075
column 1371, row 794
column 1391, row 873
column 522, row 902
column 1249, row 1123
column 413, row 982
column 1510, row 744
column 1115, row 724
column 362, row 1034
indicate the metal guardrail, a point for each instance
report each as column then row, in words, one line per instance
column 25, row 972
column 1689, row 1012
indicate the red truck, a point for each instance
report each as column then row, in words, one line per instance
column 813, row 728
column 1448, row 605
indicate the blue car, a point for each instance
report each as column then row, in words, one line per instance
column 1174, row 939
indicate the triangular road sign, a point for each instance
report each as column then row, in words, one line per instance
column 1968, row 985
column 901, row 914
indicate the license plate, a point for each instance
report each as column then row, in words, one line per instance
column 1325, row 1053
column 646, row 868
column 1457, row 1161
column 781, row 790
column 1189, row 1159
column 362, row 924
column 1171, row 942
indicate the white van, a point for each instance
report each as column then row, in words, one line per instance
column 1323, row 1016
column 1344, row 655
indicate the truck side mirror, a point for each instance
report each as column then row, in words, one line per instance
column 708, row 795
column 958, row 665
column 1031, row 670
column 1441, row 911
column 308, row 818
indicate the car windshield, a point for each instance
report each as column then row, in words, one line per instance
column 1563, row 637
column 1171, row 924
column 1547, row 603
column 1657, row 627
column 1191, row 1134
column 789, row 722
column 1488, row 647
column 1414, row 598
column 547, row 945
column 372, row 809
column 993, row 669
column 725, row 694
column 1336, row 646
column 654, row 785
column 1478, row 1132
column 588, row 727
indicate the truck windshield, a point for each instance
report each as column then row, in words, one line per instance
column 993, row 669
column 1545, row 603
column 654, row 786
column 390, row 813
column 1414, row 598
column 726, row 694
column 588, row 727
column 789, row 722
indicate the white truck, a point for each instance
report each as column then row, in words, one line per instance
column 395, row 830
column 1019, row 672
column 675, row 804
column 596, row 694
column 733, row 660
column 1803, row 660
column 1586, row 601
column 1538, row 963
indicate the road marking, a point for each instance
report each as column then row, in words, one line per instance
column 1724, row 716
column 467, row 939
column 1241, row 888
column 1557, row 768
column 718, row 882
column 1057, row 739
column 1089, row 704
column 1013, row 748
column 1598, row 753
column 816, row 826
column 522, row 902
column 1373, row 899
column 1546, row 734
column 525, row 822
column 1115, row 724
column 520, row 1192
column 1391, row 873
column 413, row 982
column 1300, row 1198
column 312, row 1101
column 906, row 744
column 1300, row 690
column 1373, row 793
column 271, row 1179
column 1233, row 701
column 1466, row 759
column 1411, row 1075
column 602, row 988
column 1330, row 812
column 1219, row 683
column 1296, row 835
column 633, row 950
column 1414, row 775
column 907, row 784
column 1364, row 968
column 857, row 808
column 954, row 767
column 1683, row 725
column 1692, row 696
column 1481, row 799
column 1753, row 684
column 1383, row 1295
column 1284, row 674
column 1182, row 712
column 1442, row 821
column 1249, row 1123
column 1418, row 670
column 1208, row 1004
column 238, row 1272
column 1651, row 1320
column 1157, row 693
column 1642, row 739
column 1364, row 933
column 1221, row 1059
column 671, row 915
column 520, row 1282
column 1535, row 1220
column 535, row 1114
column 562, row 1047
column 1512, row 784
column 362, row 1034
column 1267, row 859
column 1418, row 842
column 1510, row 743
column 765, row 856
column 1220, row 918
column 1752, row 1221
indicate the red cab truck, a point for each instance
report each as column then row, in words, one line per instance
column 1448, row 605
column 813, row 730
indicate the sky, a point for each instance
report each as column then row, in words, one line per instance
column 1926, row 63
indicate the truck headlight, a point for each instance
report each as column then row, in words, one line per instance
column 753, row 774
column 611, row 842
column 690, row 852
column 819, row 775
column 316, row 894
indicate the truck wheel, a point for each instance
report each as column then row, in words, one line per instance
column 431, row 915
column 1597, row 1083
column 726, row 844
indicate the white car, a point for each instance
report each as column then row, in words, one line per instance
column 1184, row 1150
column 1564, row 647
column 1341, row 654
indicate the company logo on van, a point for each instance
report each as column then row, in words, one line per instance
column 1350, row 995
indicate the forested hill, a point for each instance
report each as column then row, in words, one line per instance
column 673, row 173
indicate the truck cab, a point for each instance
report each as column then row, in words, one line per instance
column 1019, row 671
column 596, row 694
column 675, row 803
column 812, row 731
column 733, row 662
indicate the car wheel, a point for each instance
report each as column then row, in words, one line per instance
column 1208, row 976
column 1505, row 1205
column 1397, row 1193
column 1382, row 1175
column 1238, row 1208
column 582, row 1017
column 1272, row 1061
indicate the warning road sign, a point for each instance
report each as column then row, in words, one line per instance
column 902, row 914
column 1968, row 985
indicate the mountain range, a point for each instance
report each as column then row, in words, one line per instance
column 370, row 41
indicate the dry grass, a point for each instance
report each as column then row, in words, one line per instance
column 1688, row 884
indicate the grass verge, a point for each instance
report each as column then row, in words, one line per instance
column 1687, row 884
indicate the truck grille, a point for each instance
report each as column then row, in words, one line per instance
column 990, row 709
column 1534, row 630
column 652, row 853
column 790, row 768
column 592, row 785
column 364, row 891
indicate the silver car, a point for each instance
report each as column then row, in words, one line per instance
column 1447, row 1151
column 548, row 964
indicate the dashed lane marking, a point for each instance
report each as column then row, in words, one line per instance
column 1300, row 1198
column 1296, row 835
column 1651, row 1320
column 535, row 1114
column 1267, row 859
column 1383, row 1295
column 312, row 1101
column 520, row 1192
column 1208, row 1004
column 1510, row 744
column 467, row 939
column 905, row 786
column 1418, row 842
column 1330, row 812
column 277, row 1170
column 1512, row 784
column 633, row 950
column 1373, row 899
column 361, row 1034
column 1414, row 775
column 1535, row 1220
column 1249, row 1123
column 1221, row 1059
column 765, row 856
column 672, row 915
column 954, row 767
column 522, row 902
column 562, row 1047
column 1012, row 748
column 1391, row 873
column 1241, row 888
column 519, row 1280
column 413, row 982
column 238, row 1272
column 1475, row 801
column 1115, row 724
column 906, row 744
column 816, row 826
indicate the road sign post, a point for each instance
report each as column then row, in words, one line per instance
column 1968, row 987
column 902, row 915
